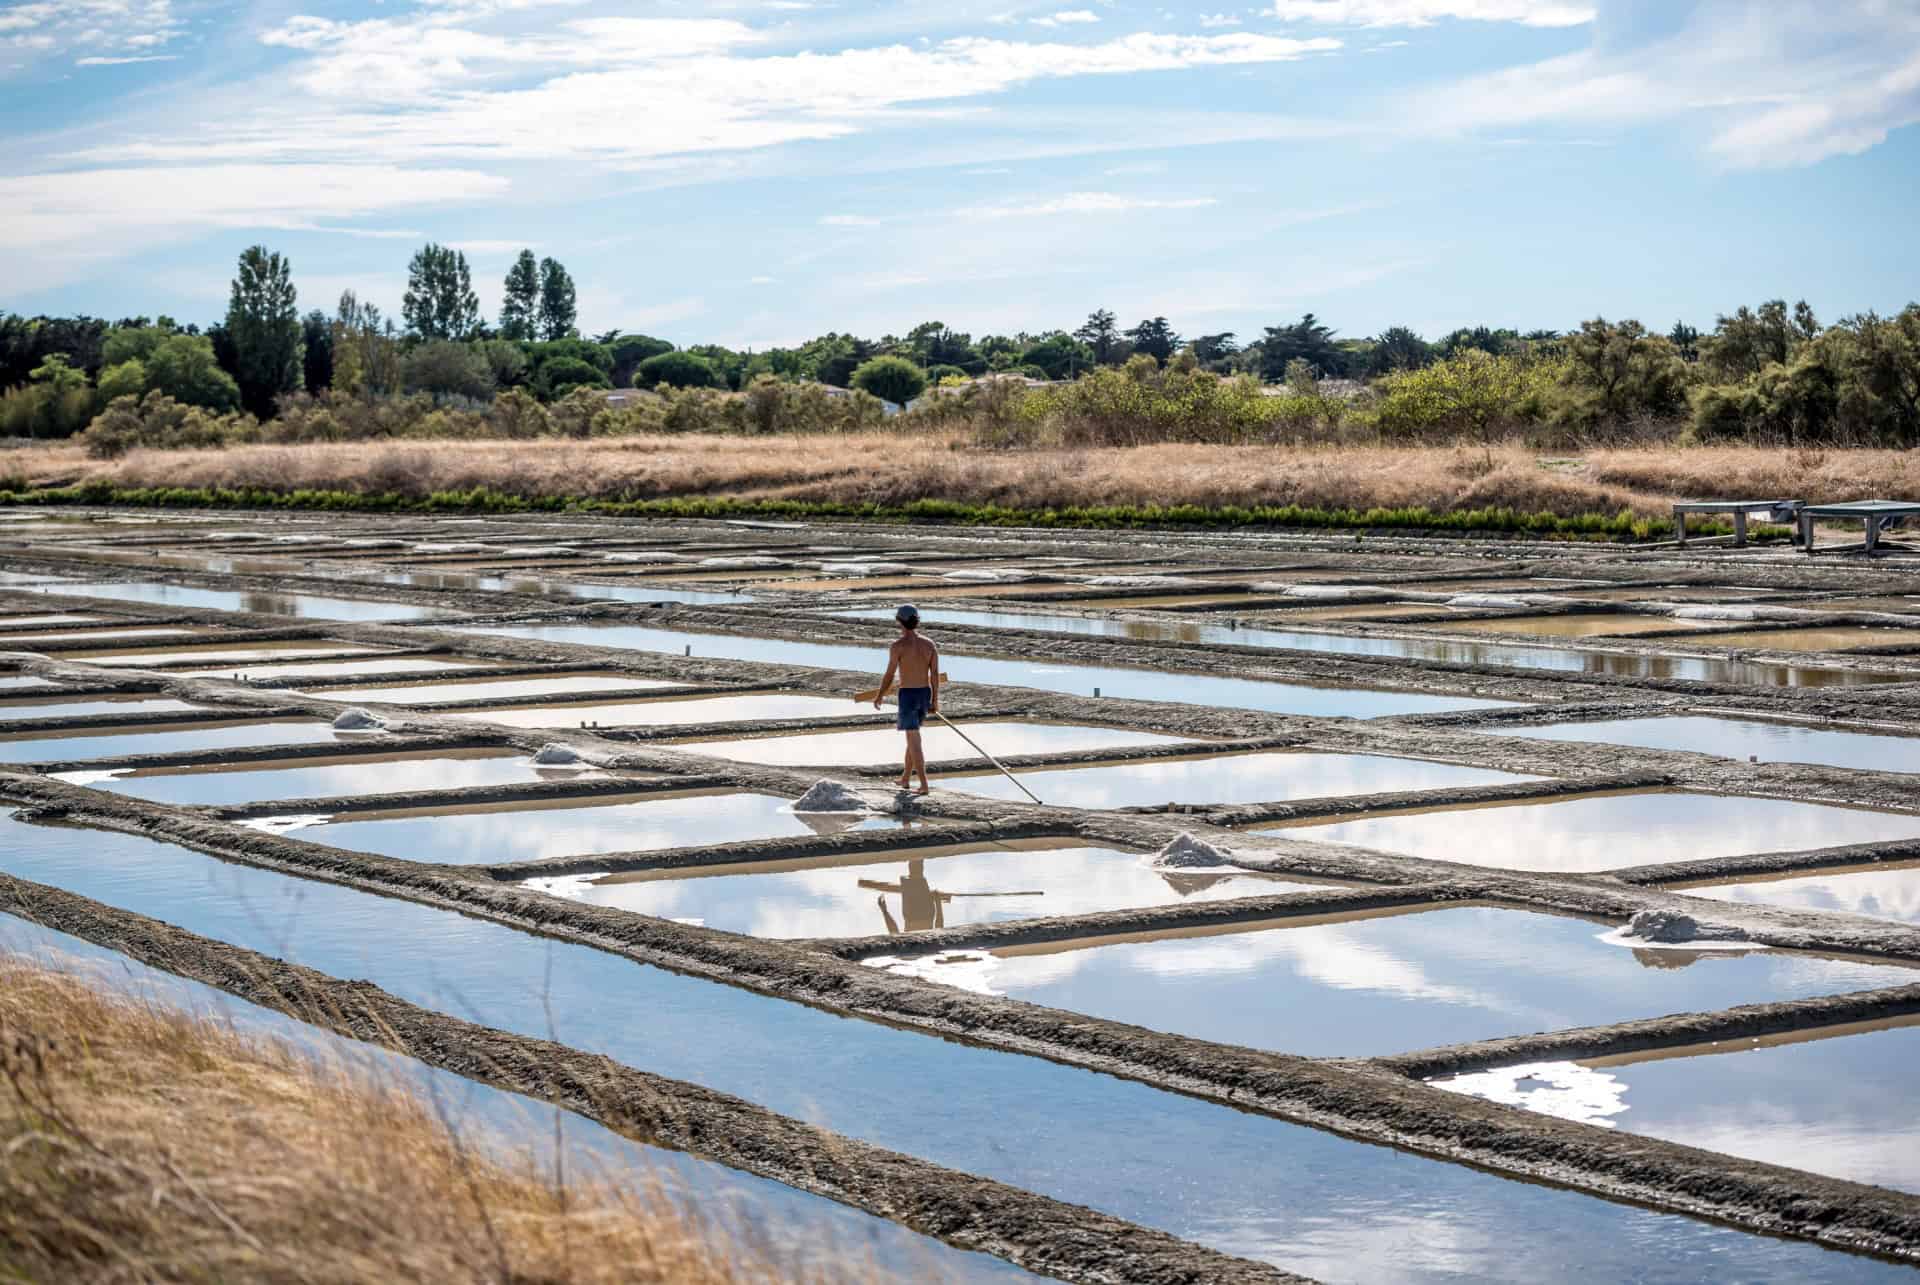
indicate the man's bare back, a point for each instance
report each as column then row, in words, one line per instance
column 915, row 659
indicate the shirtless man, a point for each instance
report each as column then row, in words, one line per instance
column 916, row 663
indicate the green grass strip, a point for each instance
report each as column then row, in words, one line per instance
column 1621, row 526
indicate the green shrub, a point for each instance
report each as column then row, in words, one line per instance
column 891, row 379
column 563, row 375
column 678, row 369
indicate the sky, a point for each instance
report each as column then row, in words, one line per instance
column 758, row 172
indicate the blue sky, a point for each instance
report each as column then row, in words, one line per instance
column 759, row 172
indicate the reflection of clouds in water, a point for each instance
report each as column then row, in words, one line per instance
column 1741, row 738
column 718, row 709
column 1565, row 1090
column 1845, row 1141
column 969, row 970
column 528, row 834
column 1399, row 1239
column 1595, row 834
column 495, row 689
column 831, row 902
column 1239, row 778
column 341, row 780
column 1878, row 894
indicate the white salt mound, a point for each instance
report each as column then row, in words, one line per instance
column 1716, row 613
column 829, row 796
column 1334, row 591
column 752, row 560
column 554, row 754
column 1189, row 853
column 536, row 551
column 983, row 575
column 359, row 720
column 453, row 547
column 1145, row 582
column 1490, row 600
column 1670, row 927
column 648, row 556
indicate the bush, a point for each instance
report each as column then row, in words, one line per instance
column 160, row 422
column 891, row 379
column 1140, row 403
column 677, row 369
column 561, row 376
column 42, row 410
column 448, row 368
column 1472, row 394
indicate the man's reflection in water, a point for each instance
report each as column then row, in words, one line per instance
column 920, row 905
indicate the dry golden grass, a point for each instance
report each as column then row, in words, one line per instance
column 144, row 1144
column 889, row 468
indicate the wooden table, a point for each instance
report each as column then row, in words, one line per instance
column 1787, row 511
column 1877, row 514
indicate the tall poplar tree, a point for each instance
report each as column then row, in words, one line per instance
column 263, row 325
column 520, row 306
column 557, row 311
column 440, row 302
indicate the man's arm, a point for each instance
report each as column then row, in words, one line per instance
column 886, row 680
column 933, row 678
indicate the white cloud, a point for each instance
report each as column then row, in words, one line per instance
column 849, row 221
column 441, row 92
column 1066, row 18
column 56, row 225
column 122, row 62
column 1083, row 203
column 1421, row 13
column 103, row 30
column 1214, row 21
column 1769, row 86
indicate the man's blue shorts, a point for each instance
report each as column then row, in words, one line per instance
column 915, row 702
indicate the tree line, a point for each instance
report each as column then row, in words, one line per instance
column 1772, row 370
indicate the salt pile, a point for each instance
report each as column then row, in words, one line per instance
column 829, row 796
column 1145, row 582
column 984, row 575
column 648, row 556
column 1718, row 613
column 359, row 720
column 1334, row 591
column 1490, row 600
column 1190, row 853
column 1670, row 927
column 555, row 754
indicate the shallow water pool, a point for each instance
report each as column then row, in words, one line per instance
column 477, row 689
column 1082, row 680
column 40, row 747
column 1590, row 834
column 60, row 707
column 942, row 744
column 528, row 831
column 1393, row 981
column 1889, row 891
column 1837, row 1100
column 911, row 890
column 1269, row 777
column 1741, row 738
column 757, row 707
column 1352, row 1212
column 1836, row 638
column 311, row 606
column 356, row 776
